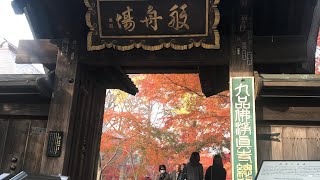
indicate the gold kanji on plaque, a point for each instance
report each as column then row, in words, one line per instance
column 152, row 18
column 126, row 20
column 178, row 19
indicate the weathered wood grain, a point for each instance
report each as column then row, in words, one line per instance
column 34, row 147
column 241, row 50
column 77, row 110
column 77, row 158
column 257, row 84
column 16, row 140
column 18, row 109
column 61, row 111
column 268, row 50
column 291, row 80
column 294, row 143
column 21, row 89
column 97, row 132
column 40, row 51
column 115, row 78
column 290, row 113
column 7, row 80
column 4, row 123
column 277, row 150
column 313, row 142
column 264, row 148
column 85, row 148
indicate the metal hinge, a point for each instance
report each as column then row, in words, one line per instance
column 269, row 137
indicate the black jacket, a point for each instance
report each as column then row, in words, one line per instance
column 192, row 172
column 164, row 176
column 215, row 173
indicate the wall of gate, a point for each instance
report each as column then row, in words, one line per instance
column 283, row 142
column 23, row 121
column 21, row 144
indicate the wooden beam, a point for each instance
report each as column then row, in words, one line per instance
column 115, row 78
column 291, row 80
column 288, row 113
column 276, row 92
column 301, row 77
column 290, row 97
column 160, row 69
column 21, row 89
column 19, row 80
column 21, row 109
column 165, row 57
column 36, row 51
column 284, row 123
column 32, row 51
column 24, row 98
column 290, row 85
column 268, row 50
column 289, row 101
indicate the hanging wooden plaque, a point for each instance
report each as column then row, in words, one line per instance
column 152, row 24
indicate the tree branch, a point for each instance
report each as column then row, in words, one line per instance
column 113, row 156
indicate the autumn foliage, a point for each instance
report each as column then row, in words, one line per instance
column 168, row 120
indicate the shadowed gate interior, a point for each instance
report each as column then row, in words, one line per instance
column 68, row 102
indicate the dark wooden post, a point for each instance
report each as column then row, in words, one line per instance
column 242, row 92
column 76, row 110
column 241, row 63
column 61, row 107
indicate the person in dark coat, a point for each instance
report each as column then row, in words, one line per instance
column 216, row 171
column 194, row 170
column 175, row 175
column 163, row 173
column 183, row 175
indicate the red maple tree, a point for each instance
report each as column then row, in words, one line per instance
column 168, row 120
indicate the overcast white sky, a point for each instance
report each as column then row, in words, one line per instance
column 13, row 27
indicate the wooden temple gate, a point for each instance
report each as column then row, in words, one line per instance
column 278, row 38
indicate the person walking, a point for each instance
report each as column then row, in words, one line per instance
column 216, row 171
column 175, row 175
column 163, row 173
column 183, row 174
column 194, row 170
